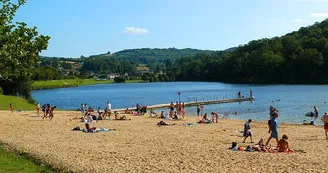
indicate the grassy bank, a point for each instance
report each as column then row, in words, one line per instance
column 18, row 103
column 11, row 162
column 67, row 83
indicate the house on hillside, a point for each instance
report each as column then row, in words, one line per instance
column 91, row 73
column 145, row 72
column 112, row 75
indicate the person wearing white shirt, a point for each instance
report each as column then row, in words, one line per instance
column 108, row 109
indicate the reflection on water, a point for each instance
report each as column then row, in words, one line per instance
column 295, row 100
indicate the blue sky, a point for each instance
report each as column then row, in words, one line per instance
column 87, row 27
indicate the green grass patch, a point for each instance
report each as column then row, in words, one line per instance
column 134, row 81
column 18, row 103
column 39, row 85
column 14, row 163
column 67, row 83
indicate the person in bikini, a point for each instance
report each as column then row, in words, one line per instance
column 117, row 117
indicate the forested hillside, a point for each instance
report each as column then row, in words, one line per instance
column 125, row 61
column 147, row 55
column 297, row 57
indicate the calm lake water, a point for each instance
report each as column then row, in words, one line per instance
column 295, row 100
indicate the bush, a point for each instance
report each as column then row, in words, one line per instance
column 119, row 79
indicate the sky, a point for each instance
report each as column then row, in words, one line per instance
column 90, row 27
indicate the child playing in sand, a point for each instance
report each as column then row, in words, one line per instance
column 247, row 132
column 325, row 121
column 273, row 129
column 11, row 108
column 283, row 144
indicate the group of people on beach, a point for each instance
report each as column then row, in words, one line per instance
column 48, row 111
column 282, row 144
column 89, row 114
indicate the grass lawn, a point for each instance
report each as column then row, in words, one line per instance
column 18, row 103
column 12, row 163
column 37, row 85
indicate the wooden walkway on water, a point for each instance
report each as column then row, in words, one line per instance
column 189, row 104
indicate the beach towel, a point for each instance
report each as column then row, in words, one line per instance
column 106, row 130
column 189, row 124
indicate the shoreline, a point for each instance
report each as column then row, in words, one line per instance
column 140, row 145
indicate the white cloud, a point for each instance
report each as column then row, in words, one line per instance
column 298, row 20
column 319, row 15
column 283, row 22
column 135, row 30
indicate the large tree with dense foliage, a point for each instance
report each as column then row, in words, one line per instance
column 19, row 50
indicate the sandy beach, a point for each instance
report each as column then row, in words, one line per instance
column 140, row 145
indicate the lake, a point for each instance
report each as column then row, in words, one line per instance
column 295, row 100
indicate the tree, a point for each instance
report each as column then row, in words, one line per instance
column 19, row 50
column 119, row 79
column 67, row 65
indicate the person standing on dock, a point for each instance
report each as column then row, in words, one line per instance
column 251, row 94
column 239, row 94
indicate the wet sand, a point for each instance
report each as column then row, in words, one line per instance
column 140, row 145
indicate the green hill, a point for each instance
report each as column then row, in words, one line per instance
column 18, row 103
column 297, row 57
column 159, row 54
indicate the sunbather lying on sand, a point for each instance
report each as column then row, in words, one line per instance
column 260, row 146
column 163, row 123
column 204, row 120
column 127, row 111
column 89, row 129
column 118, row 117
